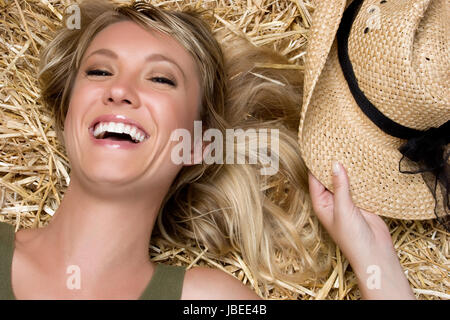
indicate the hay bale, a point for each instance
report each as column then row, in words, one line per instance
column 34, row 167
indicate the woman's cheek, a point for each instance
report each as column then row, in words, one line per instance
column 170, row 112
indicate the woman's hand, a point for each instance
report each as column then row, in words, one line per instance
column 363, row 238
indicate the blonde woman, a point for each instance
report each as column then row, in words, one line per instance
column 158, row 71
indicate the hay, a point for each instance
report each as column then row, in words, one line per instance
column 34, row 168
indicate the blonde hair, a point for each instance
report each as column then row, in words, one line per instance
column 224, row 207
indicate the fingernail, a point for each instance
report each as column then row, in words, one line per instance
column 336, row 168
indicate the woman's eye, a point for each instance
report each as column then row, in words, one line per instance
column 163, row 81
column 97, row 72
column 103, row 73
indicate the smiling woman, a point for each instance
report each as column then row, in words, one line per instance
column 130, row 81
column 118, row 87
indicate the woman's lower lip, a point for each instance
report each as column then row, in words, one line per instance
column 112, row 144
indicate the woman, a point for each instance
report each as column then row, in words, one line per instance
column 161, row 71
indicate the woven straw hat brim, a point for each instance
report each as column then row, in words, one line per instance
column 321, row 35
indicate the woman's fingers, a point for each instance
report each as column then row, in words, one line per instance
column 348, row 219
column 336, row 212
column 343, row 204
column 322, row 201
column 363, row 237
column 315, row 187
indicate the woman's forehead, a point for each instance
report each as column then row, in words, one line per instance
column 130, row 39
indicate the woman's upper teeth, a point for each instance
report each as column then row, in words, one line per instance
column 102, row 127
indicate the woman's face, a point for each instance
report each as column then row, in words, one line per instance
column 146, row 77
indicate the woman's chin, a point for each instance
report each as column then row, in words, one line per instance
column 113, row 173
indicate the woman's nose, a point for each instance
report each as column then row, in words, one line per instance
column 121, row 92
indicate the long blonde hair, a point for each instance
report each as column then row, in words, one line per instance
column 223, row 207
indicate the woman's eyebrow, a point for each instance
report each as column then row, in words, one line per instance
column 105, row 52
column 161, row 57
column 151, row 57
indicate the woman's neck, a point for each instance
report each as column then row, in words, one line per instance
column 101, row 235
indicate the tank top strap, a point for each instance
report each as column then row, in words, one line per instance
column 165, row 284
column 6, row 255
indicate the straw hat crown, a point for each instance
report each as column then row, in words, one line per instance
column 403, row 44
column 399, row 56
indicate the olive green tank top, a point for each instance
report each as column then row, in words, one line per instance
column 165, row 284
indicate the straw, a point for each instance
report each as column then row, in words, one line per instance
column 34, row 167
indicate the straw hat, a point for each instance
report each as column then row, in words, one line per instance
column 384, row 89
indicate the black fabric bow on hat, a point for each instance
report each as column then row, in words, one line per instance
column 428, row 147
column 426, row 151
column 429, row 152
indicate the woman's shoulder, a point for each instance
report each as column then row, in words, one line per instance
column 202, row 283
column 6, row 229
column 4, row 226
column 7, row 235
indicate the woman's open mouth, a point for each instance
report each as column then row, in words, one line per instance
column 117, row 135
